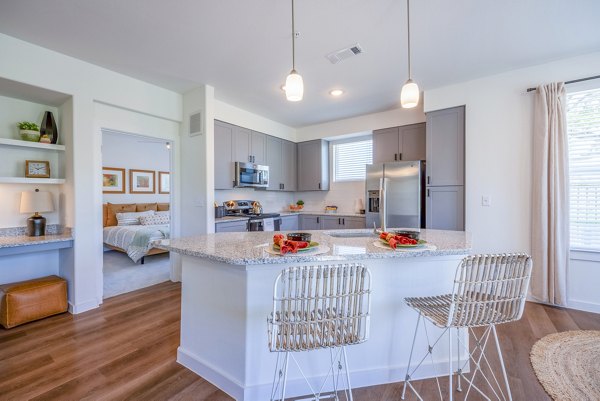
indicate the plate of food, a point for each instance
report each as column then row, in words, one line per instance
column 396, row 241
column 284, row 246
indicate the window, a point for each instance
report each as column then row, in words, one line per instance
column 350, row 159
column 583, row 128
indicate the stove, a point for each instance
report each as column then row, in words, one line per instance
column 256, row 221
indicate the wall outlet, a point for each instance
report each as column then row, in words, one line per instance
column 486, row 200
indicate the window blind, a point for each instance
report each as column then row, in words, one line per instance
column 583, row 128
column 350, row 160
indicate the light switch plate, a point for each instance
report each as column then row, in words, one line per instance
column 486, row 200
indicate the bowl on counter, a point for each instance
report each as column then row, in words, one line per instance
column 408, row 233
column 299, row 237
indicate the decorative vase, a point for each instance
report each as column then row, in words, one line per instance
column 49, row 128
column 29, row 135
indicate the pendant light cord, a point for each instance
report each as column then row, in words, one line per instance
column 408, row 25
column 293, row 39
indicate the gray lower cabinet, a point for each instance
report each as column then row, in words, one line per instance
column 399, row 143
column 445, row 208
column 313, row 166
column 308, row 222
column 446, row 147
column 354, row 222
column 331, row 223
column 224, row 167
column 231, row 226
column 290, row 223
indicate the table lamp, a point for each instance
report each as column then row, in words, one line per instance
column 35, row 202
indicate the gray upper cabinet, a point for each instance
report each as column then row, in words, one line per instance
column 275, row 163
column 445, row 208
column 249, row 146
column 413, row 142
column 289, row 162
column 386, row 145
column 258, row 146
column 313, row 166
column 446, row 147
column 224, row 168
column 399, row 143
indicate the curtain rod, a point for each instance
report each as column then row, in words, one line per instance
column 571, row 82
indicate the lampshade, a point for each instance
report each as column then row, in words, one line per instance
column 409, row 97
column 36, row 201
column 294, row 87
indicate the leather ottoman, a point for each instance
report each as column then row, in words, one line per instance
column 31, row 300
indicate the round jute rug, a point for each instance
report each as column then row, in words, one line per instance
column 568, row 365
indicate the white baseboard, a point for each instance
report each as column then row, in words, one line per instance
column 83, row 306
column 583, row 306
column 297, row 387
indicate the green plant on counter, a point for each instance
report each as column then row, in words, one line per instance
column 300, row 202
column 26, row 125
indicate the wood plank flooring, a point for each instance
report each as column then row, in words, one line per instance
column 126, row 350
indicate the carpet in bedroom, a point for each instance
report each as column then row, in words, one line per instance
column 121, row 275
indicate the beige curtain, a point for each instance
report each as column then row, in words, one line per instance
column 550, row 208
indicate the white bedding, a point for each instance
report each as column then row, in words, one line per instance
column 123, row 236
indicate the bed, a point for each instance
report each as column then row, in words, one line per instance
column 135, row 240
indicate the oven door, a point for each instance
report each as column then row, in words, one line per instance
column 251, row 175
column 258, row 224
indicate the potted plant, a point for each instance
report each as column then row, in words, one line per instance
column 29, row 131
column 300, row 204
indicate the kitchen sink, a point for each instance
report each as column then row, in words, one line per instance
column 352, row 234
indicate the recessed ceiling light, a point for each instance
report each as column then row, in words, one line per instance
column 336, row 92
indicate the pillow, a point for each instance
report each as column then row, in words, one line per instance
column 162, row 207
column 164, row 213
column 157, row 219
column 114, row 208
column 132, row 219
column 142, row 207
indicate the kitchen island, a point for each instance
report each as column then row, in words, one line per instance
column 227, row 290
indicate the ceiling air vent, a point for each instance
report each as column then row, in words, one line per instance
column 342, row 54
column 196, row 124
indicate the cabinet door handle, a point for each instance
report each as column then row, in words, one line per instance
column 428, row 180
column 317, row 220
column 344, row 221
column 395, row 156
column 428, row 193
column 319, row 185
column 282, row 186
column 399, row 156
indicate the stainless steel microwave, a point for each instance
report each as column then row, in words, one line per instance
column 251, row 175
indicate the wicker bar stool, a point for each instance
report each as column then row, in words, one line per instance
column 488, row 290
column 316, row 307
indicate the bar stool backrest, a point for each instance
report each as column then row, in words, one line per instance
column 319, row 307
column 489, row 289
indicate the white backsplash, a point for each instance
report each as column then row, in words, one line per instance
column 344, row 195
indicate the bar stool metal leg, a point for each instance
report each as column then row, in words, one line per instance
column 412, row 348
column 451, row 394
column 502, row 363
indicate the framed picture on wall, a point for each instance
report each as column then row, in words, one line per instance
column 141, row 181
column 164, row 182
column 113, row 180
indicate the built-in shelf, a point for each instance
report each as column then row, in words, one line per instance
column 25, row 180
column 26, row 144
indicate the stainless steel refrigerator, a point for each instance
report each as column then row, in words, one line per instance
column 396, row 195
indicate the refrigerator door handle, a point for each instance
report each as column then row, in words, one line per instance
column 382, row 204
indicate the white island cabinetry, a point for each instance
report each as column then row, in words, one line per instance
column 227, row 289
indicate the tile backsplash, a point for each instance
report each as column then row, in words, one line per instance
column 344, row 195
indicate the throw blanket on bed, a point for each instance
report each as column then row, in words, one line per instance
column 144, row 240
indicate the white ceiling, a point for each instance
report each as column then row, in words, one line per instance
column 243, row 49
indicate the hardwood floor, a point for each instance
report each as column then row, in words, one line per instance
column 126, row 350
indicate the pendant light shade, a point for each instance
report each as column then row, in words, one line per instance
column 294, row 87
column 409, row 97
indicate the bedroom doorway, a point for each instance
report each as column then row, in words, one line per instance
column 136, row 212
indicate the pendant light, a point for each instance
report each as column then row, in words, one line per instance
column 409, row 97
column 294, row 86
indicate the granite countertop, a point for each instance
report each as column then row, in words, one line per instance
column 10, row 241
column 250, row 248
column 323, row 213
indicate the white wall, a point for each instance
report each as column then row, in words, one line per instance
column 88, row 84
column 138, row 153
column 498, row 153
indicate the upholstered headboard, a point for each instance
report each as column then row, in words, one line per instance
column 109, row 210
